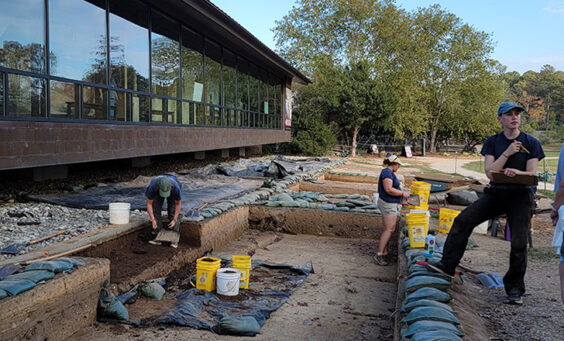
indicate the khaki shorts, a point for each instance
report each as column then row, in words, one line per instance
column 387, row 208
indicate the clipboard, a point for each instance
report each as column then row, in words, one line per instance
column 500, row 178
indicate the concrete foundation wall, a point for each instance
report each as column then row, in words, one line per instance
column 25, row 144
column 57, row 309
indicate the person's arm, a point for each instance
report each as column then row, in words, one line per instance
column 558, row 201
column 151, row 215
column 388, row 185
column 177, row 209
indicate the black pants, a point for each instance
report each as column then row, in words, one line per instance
column 158, row 203
column 516, row 204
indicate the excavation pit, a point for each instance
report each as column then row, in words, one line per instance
column 133, row 260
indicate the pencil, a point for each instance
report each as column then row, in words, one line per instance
column 523, row 147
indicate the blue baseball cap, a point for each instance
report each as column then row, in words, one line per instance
column 506, row 107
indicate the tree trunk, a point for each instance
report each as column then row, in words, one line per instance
column 433, row 140
column 355, row 135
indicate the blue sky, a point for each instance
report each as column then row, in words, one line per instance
column 527, row 33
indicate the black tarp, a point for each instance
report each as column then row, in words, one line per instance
column 202, row 309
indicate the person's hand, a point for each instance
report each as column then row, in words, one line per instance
column 405, row 195
column 510, row 172
column 171, row 224
column 554, row 217
column 513, row 148
column 154, row 224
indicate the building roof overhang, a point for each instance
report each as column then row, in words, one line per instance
column 210, row 20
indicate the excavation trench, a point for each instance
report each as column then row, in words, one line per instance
column 122, row 255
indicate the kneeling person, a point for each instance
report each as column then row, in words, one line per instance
column 164, row 187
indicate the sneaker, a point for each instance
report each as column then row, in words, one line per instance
column 438, row 267
column 174, row 245
column 381, row 260
column 513, row 299
column 154, row 242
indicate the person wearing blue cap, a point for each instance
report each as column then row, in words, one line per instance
column 164, row 187
column 512, row 153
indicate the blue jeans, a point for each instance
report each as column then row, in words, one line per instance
column 516, row 204
column 158, row 203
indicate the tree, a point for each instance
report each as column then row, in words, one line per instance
column 361, row 99
column 440, row 64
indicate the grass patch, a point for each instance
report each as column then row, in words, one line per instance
column 362, row 162
column 543, row 253
column 550, row 153
column 551, row 166
column 476, row 166
column 549, row 194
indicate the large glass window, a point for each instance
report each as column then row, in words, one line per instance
column 77, row 32
column 172, row 112
column 26, row 96
column 192, row 66
column 22, row 42
column 229, row 79
column 94, row 106
column 187, row 113
column 64, row 100
column 165, row 55
column 118, row 105
column 2, row 94
column 129, row 45
column 139, row 108
column 157, row 110
column 254, row 91
column 213, row 73
column 264, row 87
column 242, row 84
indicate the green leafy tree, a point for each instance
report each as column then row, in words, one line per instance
column 444, row 58
column 361, row 99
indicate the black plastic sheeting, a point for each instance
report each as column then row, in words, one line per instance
column 202, row 309
column 277, row 167
column 99, row 197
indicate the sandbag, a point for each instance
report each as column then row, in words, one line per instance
column 73, row 261
column 430, row 313
column 428, row 294
column 462, row 197
column 424, row 303
column 417, row 282
column 3, row 294
column 33, row 275
column 109, row 306
column 53, row 265
column 152, row 290
column 428, row 273
column 16, row 286
column 425, row 325
column 242, row 325
column 435, row 335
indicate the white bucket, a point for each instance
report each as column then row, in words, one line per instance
column 119, row 213
column 228, row 281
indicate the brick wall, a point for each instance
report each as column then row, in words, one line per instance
column 26, row 144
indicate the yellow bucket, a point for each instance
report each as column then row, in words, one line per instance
column 242, row 263
column 417, row 226
column 206, row 272
column 422, row 189
column 446, row 218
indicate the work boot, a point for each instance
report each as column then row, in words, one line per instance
column 438, row 267
column 381, row 260
column 513, row 299
column 174, row 245
column 154, row 242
